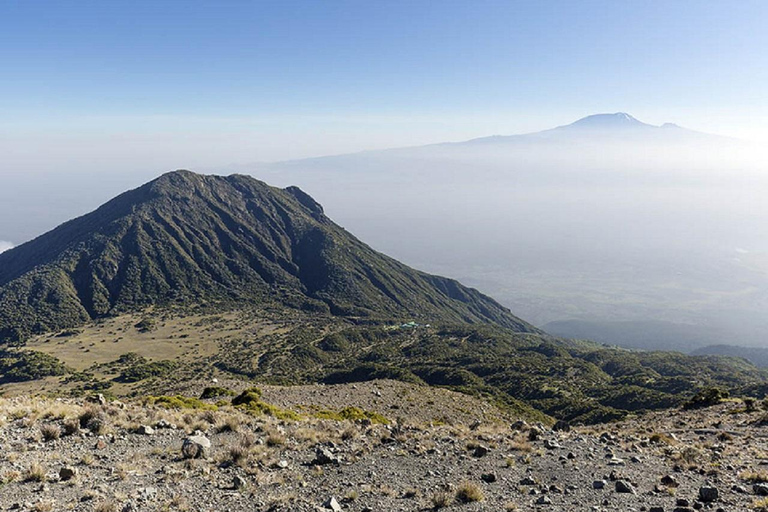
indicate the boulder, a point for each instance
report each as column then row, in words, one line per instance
column 196, row 447
column 708, row 493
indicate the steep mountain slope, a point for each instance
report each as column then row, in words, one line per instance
column 190, row 238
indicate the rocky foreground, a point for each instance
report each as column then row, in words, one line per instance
column 61, row 454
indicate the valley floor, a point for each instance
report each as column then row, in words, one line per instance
column 63, row 454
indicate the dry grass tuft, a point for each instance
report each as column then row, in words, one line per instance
column 442, row 499
column 469, row 492
column 34, row 473
column 50, row 432
column 754, row 477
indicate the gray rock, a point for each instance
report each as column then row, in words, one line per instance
column 669, row 481
column 760, row 489
column 97, row 399
column 67, row 473
column 332, row 504
column 147, row 493
column 599, row 484
column 163, row 423
column 624, row 487
column 196, row 447
column 708, row 493
column 324, row 456
column 543, row 500
column 480, row 451
column 239, row 482
column 145, row 430
column 519, row 425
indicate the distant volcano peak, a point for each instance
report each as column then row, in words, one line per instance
column 608, row 121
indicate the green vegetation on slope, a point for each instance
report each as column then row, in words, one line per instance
column 574, row 381
column 186, row 238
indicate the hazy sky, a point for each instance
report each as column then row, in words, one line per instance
column 88, row 86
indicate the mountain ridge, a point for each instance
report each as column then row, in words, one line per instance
column 188, row 237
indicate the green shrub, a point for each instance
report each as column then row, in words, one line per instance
column 147, row 370
column 706, row 398
column 26, row 365
column 250, row 400
column 215, row 392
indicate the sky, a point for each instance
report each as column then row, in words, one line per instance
column 168, row 84
column 115, row 93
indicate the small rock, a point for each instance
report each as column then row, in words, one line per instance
column 527, row 481
column 97, row 399
column 624, row 487
column 147, row 493
column 480, row 451
column 760, row 489
column 239, row 483
column 163, row 423
column 543, row 500
column 708, row 494
column 145, row 430
column 67, row 473
column 599, row 484
column 488, row 478
column 669, row 481
column 332, row 504
column 519, row 425
column 195, row 447
column 324, row 456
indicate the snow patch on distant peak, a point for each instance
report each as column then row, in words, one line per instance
column 4, row 246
